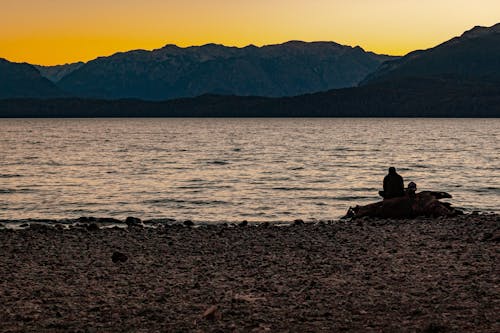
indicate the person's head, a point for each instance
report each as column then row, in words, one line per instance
column 412, row 186
column 392, row 170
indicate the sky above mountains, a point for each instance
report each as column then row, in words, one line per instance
column 62, row 31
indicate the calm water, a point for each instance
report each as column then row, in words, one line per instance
column 236, row 169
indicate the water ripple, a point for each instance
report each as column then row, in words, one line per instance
column 233, row 169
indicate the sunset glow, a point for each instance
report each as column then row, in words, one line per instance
column 61, row 31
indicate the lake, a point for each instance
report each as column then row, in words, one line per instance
column 216, row 170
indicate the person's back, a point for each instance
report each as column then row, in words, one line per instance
column 393, row 185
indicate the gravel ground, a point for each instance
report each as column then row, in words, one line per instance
column 419, row 275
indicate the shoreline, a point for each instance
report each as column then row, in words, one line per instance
column 107, row 222
column 370, row 275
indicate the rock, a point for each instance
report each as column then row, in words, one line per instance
column 298, row 222
column 248, row 298
column 243, row 223
column 92, row 227
column 133, row 220
column 435, row 328
column 86, row 219
column 495, row 237
column 108, row 220
column 40, row 227
column 212, row 313
column 188, row 223
column 487, row 236
column 119, row 257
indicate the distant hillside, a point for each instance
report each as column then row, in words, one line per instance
column 24, row 80
column 474, row 56
column 56, row 73
column 407, row 98
column 288, row 69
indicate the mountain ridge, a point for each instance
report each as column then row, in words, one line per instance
column 24, row 80
column 473, row 56
column 407, row 98
column 57, row 72
column 170, row 72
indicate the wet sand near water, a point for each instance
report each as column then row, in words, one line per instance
column 422, row 275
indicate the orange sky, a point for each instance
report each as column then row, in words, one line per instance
column 60, row 31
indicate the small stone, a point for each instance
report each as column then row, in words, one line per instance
column 212, row 313
column 108, row 220
column 243, row 223
column 298, row 222
column 133, row 220
column 119, row 257
column 248, row 298
column 188, row 223
column 92, row 227
column 435, row 328
column 495, row 237
column 40, row 227
column 86, row 219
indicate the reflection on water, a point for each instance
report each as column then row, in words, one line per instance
column 234, row 169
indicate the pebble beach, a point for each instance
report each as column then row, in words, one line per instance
column 368, row 275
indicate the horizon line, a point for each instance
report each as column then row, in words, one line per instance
column 209, row 44
column 257, row 45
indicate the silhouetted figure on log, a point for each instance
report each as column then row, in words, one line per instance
column 412, row 204
column 393, row 185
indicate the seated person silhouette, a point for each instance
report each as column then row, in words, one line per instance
column 411, row 189
column 393, row 185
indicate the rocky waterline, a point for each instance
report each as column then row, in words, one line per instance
column 421, row 275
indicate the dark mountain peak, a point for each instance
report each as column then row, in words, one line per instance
column 479, row 31
column 214, row 46
column 203, row 52
column 317, row 44
column 474, row 56
column 170, row 47
column 24, row 80
column 292, row 43
column 7, row 63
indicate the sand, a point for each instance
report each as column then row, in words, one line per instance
column 421, row 275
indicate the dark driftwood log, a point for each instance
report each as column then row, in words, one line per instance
column 425, row 203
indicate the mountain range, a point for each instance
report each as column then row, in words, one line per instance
column 458, row 78
column 287, row 69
